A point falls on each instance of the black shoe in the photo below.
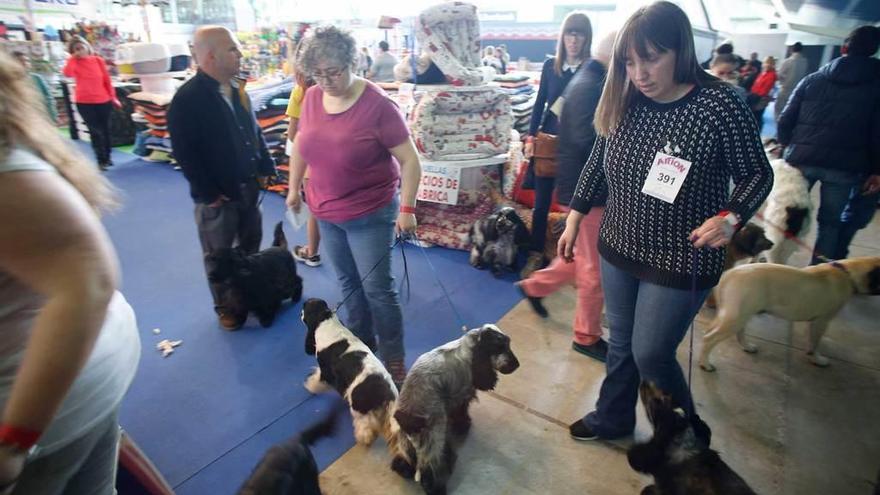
(597, 350)
(581, 432)
(535, 302)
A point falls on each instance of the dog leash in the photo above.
(421, 246)
(361, 285)
(791, 236)
(695, 262)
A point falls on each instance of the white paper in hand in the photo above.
(298, 218)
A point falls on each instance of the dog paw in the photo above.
(819, 360)
(709, 367)
(314, 384)
(750, 348)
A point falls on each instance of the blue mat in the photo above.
(206, 414)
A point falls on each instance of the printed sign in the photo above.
(666, 176)
(439, 184)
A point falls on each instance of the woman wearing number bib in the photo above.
(670, 138)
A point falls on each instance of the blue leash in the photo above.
(461, 322)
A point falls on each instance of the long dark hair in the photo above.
(661, 26)
(574, 21)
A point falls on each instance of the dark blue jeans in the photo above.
(354, 248)
(837, 186)
(647, 323)
(857, 215)
(543, 199)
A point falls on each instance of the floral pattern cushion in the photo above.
(462, 123)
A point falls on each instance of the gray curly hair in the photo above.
(326, 43)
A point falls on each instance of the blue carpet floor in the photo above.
(206, 414)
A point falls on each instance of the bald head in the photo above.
(217, 52)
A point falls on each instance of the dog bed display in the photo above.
(450, 34)
(462, 123)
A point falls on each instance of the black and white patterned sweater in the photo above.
(714, 130)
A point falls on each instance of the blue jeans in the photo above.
(85, 466)
(354, 247)
(543, 201)
(837, 185)
(857, 215)
(647, 323)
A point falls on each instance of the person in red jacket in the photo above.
(94, 96)
(760, 94)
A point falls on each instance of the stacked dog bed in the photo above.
(461, 121)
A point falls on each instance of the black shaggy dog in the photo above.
(679, 462)
(496, 240)
(289, 468)
(258, 282)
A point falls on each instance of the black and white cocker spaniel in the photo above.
(433, 405)
(496, 240)
(347, 365)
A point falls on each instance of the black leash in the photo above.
(361, 285)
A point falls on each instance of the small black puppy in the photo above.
(496, 240)
(679, 462)
(258, 282)
(289, 468)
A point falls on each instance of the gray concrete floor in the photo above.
(785, 425)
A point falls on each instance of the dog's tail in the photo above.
(323, 428)
(279, 240)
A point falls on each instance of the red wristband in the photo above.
(408, 209)
(731, 217)
(17, 437)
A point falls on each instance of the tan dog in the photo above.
(814, 294)
(747, 243)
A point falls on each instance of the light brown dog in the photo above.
(814, 294)
(748, 242)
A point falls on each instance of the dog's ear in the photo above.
(645, 457)
(486, 345)
(411, 424)
(311, 347)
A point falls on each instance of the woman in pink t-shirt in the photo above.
(95, 96)
(363, 176)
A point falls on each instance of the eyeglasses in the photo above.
(328, 74)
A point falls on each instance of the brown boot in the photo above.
(231, 322)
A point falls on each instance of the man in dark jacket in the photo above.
(831, 130)
(222, 152)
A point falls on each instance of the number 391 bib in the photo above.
(666, 176)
